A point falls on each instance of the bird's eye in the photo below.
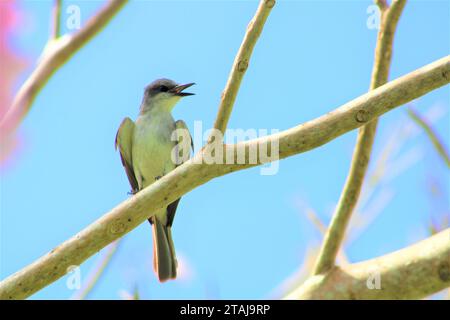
(163, 89)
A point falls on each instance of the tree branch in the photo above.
(96, 272)
(438, 145)
(382, 4)
(414, 272)
(57, 52)
(366, 135)
(241, 63)
(193, 173)
(56, 20)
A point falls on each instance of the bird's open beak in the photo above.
(178, 90)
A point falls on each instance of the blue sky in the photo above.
(244, 234)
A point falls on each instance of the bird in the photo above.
(146, 147)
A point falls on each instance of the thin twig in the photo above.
(432, 135)
(54, 56)
(56, 20)
(364, 143)
(322, 228)
(241, 63)
(97, 271)
(315, 219)
(135, 210)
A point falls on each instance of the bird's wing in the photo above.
(124, 142)
(172, 208)
(180, 124)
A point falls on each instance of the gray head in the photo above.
(163, 94)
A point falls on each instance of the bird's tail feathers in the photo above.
(164, 260)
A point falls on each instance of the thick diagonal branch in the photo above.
(132, 212)
(363, 149)
(414, 272)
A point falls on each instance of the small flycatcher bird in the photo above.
(146, 147)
